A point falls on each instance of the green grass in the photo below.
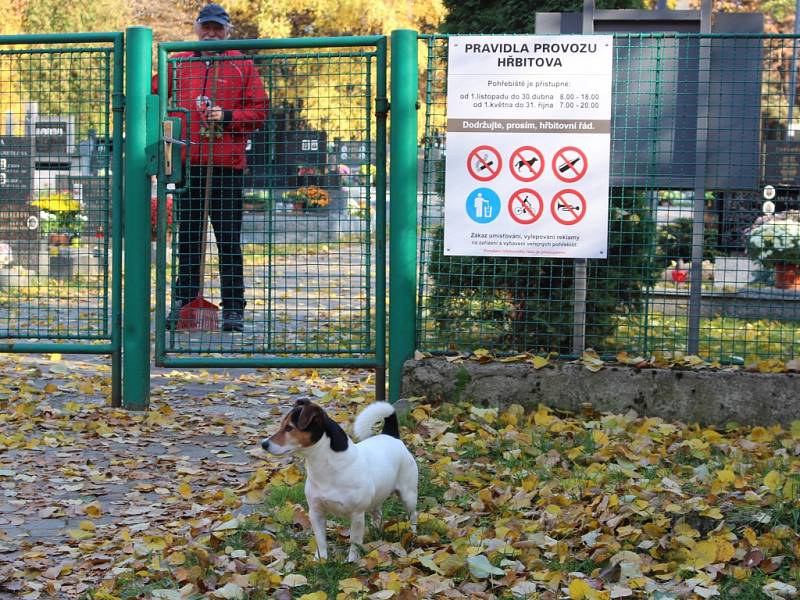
(281, 494)
(723, 338)
(766, 518)
(727, 339)
(751, 588)
(327, 575)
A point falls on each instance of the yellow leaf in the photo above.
(93, 510)
(725, 551)
(574, 453)
(86, 526)
(352, 586)
(185, 490)
(760, 434)
(314, 596)
(703, 554)
(294, 580)
(592, 362)
(773, 481)
(579, 589)
(599, 437)
(750, 536)
(154, 542)
(790, 490)
(419, 414)
(713, 513)
(515, 358)
(741, 573)
(543, 416)
(176, 559)
(538, 362)
(55, 357)
(726, 476)
(79, 534)
(50, 388)
(102, 595)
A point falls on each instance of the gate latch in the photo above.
(173, 150)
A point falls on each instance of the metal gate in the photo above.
(313, 242)
(61, 104)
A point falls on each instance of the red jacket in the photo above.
(238, 90)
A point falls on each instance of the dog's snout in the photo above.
(265, 445)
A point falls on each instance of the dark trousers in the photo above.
(225, 212)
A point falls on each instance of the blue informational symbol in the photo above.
(483, 205)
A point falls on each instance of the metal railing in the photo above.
(313, 227)
(699, 128)
(60, 194)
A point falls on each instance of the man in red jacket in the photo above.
(225, 99)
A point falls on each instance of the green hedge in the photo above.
(527, 303)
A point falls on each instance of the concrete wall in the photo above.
(706, 397)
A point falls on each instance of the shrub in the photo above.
(675, 241)
(529, 301)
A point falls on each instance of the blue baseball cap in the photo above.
(213, 13)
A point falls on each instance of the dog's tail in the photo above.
(362, 428)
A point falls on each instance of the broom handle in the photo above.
(207, 195)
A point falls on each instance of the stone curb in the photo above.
(704, 396)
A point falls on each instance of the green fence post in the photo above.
(402, 205)
(118, 108)
(136, 315)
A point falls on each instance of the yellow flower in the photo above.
(58, 203)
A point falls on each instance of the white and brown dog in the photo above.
(347, 479)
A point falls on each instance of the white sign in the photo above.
(528, 143)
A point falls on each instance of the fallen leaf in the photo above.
(480, 567)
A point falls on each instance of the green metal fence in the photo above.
(308, 287)
(60, 190)
(701, 124)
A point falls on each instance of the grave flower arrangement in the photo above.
(308, 197)
(60, 213)
(774, 239)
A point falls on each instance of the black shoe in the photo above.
(232, 320)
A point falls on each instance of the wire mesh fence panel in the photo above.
(57, 187)
(697, 262)
(290, 244)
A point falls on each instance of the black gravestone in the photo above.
(19, 220)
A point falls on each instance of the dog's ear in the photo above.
(308, 414)
(336, 433)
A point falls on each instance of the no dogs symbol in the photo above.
(527, 163)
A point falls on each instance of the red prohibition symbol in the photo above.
(525, 206)
(527, 163)
(570, 164)
(484, 163)
(568, 207)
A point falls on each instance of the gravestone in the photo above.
(19, 220)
